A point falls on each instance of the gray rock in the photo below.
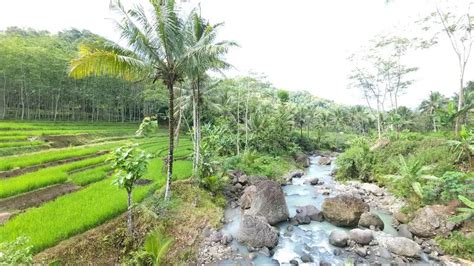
(404, 231)
(265, 198)
(252, 255)
(256, 232)
(226, 239)
(302, 219)
(265, 251)
(400, 217)
(290, 228)
(344, 210)
(216, 236)
(360, 236)
(294, 262)
(368, 219)
(337, 252)
(324, 161)
(338, 238)
(311, 211)
(302, 159)
(431, 221)
(243, 179)
(361, 251)
(314, 181)
(306, 258)
(324, 263)
(400, 245)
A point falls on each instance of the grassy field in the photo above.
(98, 200)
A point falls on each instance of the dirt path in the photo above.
(36, 198)
(17, 172)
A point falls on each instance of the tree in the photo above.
(432, 105)
(457, 26)
(202, 33)
(130, 164)
(157, 49)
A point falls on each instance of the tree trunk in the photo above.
(195, 125)
(171, 139)
(198, 127)
(129, 213)
(460, 103)
(247, 119)
(238, 123)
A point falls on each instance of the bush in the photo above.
(16, 252)
(457, 244)
(356, 162)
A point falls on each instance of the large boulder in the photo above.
(361, 236)
(399, 245)
(324, 160)
(309, 211)
(302, 159)
(338, 238)
(265, 198)
(368, 219)
(293, 174)
(256, 232)
(344, 210)
(431, 221)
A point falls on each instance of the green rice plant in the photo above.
(42, 178)
(89, 176)
(11, 162)
(20, 144)
(77, 212)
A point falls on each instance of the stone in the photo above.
(324, 263)
(400, 246)
(243, 179)
(401, 217)
(314, 181)
(293, 174)
(226, 239)
(338, 238)
(368, 219)
(324, 161)
(290, 228)
(404, 231)
(294, 262)
(344, 210)
(265, 198)
(252, 255)
(265, 251)
(256, 232)
(310, 212)
(430, 221)
(302, 219)
(216, 236)
(306, 259)
(361, 251)
(238, 186)
(302, 159)
(360, 236)
(337, 252)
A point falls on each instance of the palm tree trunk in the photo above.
(129, 212)
(238, 122)
(171, 139)
(195, 130)
(198, 127)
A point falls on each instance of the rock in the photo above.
(302, 159)
(293, 174)
(238, 186)
(401, 217)
(226, 239)
(338, 238)
(367, 219)
(324, 161)
(372, 188)
(243, 179)
(290, 228)
(360, 236)
(431, 221)
(233, 205)
(400, 245)
(252, 255)
(383, 253)
(302, 219)
(324, 263)
(337, 252)
(344, 210)
(404, 232)
(294, 262)
(265, 251)
(361, 251)
(306, 259)
(312, 181)
(311, 212)
(216, 236)
(256, 232)
(265, 198)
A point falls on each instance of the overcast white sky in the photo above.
(298, 44)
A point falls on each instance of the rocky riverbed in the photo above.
(315, 220)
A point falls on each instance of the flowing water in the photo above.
(311, 239)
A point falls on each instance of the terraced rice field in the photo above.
(52, 193)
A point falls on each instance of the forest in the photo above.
(145, 152)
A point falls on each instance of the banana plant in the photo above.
(464, 213)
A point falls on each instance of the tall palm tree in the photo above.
(156, 49)
(201, 33)
(434, 102)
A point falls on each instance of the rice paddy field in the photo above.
(56, 182)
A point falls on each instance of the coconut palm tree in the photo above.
(434, 102)
(202, 34)
(156, 49)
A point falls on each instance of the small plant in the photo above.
(16, 252)
(148, 127)
(457, 244)
(130, 164)
(464, 147)
(156, 245)
(464, 213)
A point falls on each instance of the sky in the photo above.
(297, 45)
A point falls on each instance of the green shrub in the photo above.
(356, 162)
(17, 252)
(457, 244)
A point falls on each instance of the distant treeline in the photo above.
(34, 82)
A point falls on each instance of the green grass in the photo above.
(20, 144)
(45, 177)
(89, 176)
(77, 212)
